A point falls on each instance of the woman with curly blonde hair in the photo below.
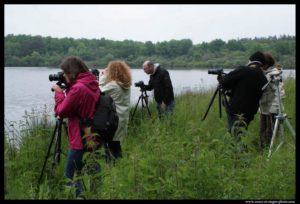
(116, 81)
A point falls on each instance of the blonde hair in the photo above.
(119, 71)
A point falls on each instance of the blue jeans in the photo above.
(168, 109)
(74, 163)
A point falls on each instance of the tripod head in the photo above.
(219, 90)
(143, 98)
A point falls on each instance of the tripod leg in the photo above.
(220, 105)
(66, 128)
(145, 97)
(143, 105)
(210, 103)
(290, 127)
(281, 143)
(273, 136)
(48, 151)
(148, 109)
(135, 108)
(57, 150)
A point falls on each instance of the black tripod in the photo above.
(57, 150)
(280, 119)
(144, 100)
(222, 98)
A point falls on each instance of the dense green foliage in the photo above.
(26, 50)
(178, 158)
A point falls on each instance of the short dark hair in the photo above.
(257, 57)
(269, 59)
(73, 65)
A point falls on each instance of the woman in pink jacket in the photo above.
(78, 100)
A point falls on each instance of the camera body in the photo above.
(141, 85)
(95, 72)
(217, 71)
(57, 77)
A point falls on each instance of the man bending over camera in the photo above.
(245, 84)
(163, 90)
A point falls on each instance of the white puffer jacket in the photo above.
(121, 97)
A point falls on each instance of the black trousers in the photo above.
(266, 129)
(115, 149)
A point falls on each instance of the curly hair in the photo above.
(119, 71)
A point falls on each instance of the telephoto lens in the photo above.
(57, 77)
(217, 71)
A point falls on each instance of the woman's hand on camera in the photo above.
(57, 88)
(103, 72)
(162, 105)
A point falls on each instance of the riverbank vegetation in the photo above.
(27, 50)
(178, 158)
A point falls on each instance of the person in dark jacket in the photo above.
(245, 84)
(78, 100)
(161, 82)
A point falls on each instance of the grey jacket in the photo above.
(269, 101)
(121, 97)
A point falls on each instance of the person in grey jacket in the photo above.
(269, 102)
(116, 81)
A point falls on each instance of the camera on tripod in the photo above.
(143, 98)
(217, 71)
(57, 77)
(141, 85)
(220, 91)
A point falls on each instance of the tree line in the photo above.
(27, 50)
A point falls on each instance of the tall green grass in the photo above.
(181, 157)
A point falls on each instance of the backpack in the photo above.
(101, 129)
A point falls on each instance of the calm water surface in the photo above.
(28, 88)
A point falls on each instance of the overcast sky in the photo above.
(200, 23)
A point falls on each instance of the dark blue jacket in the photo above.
(246, 85)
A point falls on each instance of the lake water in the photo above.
(29, 87)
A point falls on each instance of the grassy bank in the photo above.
(180, 158)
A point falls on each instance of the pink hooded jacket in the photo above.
(80, 100)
